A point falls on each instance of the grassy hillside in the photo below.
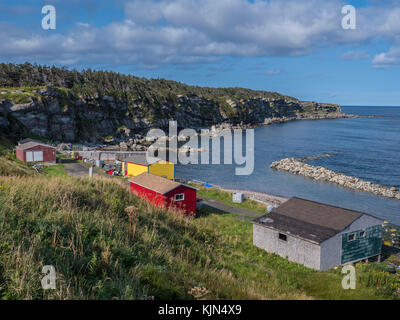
(100, 251)
(9, 165)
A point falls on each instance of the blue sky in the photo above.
(294, 47)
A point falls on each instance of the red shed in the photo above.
(164, 193)
(36, 152)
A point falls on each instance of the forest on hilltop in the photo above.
(90, 81)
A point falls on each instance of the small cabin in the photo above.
(318, 235)
(35, 151)
(164, 193)
(138, 164)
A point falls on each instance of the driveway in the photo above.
(78, 170)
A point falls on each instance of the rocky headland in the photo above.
(94, 108)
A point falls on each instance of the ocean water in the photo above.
(368, 148)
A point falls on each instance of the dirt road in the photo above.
(76, 170)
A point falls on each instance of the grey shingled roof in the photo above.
(309, 220)
(32, 144)
(28, 140)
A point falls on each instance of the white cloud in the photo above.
(154, 33)
(389, 59)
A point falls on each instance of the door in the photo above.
(29, 156)
(38, 156)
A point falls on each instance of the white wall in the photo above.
(296, 249)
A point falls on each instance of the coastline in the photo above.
(327, 116)
(142, 145)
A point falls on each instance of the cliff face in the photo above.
(60, 115)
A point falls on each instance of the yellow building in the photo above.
(133, 166)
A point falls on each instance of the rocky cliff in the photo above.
(62, 116)
(96, 107)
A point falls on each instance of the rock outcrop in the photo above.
(298, 166)
(63, 116)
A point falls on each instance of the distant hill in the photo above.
(96, 106)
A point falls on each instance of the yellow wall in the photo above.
(135, 169)
(163, 169)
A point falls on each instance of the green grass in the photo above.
(80, 226)
(9, 165)
(55, 170)
(226, 197)
(64, 156)
(18, 97)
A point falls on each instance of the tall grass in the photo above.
(84, 229)
(81, 228)
(106, 244)
(9, 165)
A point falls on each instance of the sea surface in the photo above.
(368, 148)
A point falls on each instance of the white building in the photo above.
(317, 235)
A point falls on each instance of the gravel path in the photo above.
(75, 169)
(78, 170)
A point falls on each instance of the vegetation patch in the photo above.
(226, 197)
(54, 170)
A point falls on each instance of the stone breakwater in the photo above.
(297, 166)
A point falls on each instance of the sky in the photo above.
(294, 47)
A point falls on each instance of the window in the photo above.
(282, 237)
(351, 237)
(362, 234)
(180, 197)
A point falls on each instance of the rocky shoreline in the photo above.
(141, 144)
(327, 116)
(299, 167)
